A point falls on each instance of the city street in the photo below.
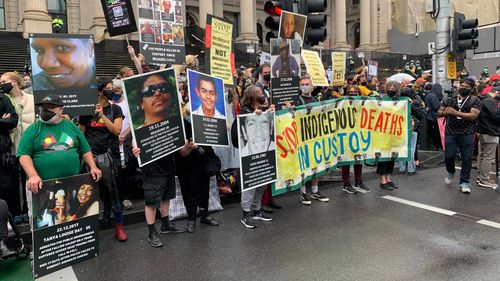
(438, 233)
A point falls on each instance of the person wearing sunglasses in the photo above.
(156, 99)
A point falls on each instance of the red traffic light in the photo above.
(273, 8)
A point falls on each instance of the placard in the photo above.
(119, 16)
(315, 68)
(219, 49)
(257, 149)
(155, 114)
(161, 31)
(208, 109)
(292, 26)
(65, 216)
(338, 68)
(64, 64)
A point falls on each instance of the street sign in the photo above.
(451, 64)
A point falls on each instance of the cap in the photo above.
(283, 45)
(51, 99)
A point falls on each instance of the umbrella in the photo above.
(400, 77)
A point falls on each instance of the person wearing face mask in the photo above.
(24, 104)
(52, 146)
(264, 82)
(27, 84)
(488, 129)
(362, 85)
(101, 131)
(306, 97)
(461, 113)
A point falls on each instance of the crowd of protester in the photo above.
(104, 146)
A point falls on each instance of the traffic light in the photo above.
(464, 34)
(316, 21)
(273, 9)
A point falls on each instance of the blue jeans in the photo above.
(411, 161)
(464, 144)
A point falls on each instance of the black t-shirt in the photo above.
(192, 164)
(458, 126)
(97, 134)
(160, 167)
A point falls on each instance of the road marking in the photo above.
(489, 223)
(420, 205)
(65, 274)
(443, 211)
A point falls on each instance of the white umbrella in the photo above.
(400, 77)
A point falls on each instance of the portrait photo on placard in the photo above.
(206, 95)
(285, 58)
(292, 26)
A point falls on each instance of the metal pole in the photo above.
(443, 42)
(434, 70)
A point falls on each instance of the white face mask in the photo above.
(305, 89)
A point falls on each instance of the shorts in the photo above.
(158, 189)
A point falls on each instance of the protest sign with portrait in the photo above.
(257, 149)
(292, 26)
(65, 223)
(155, 114)
(208, 109)
(161, 31)
(64, 64)
(119, 16)
(285, 70)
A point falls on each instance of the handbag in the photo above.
(213, 164)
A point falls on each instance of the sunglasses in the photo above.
(151, 90)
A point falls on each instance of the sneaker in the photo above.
(171, 228)
(266, 208)
(261, 216)
(448, 179)
(349, 189)
(362, 186)
(154, 240)
(318, 196)
(305, 199)
(488, 184)
(465, 188)
(411, 173)
(393, 185)
(127, 205)
(247, 220)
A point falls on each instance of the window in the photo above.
(2, 14)
(57, 9)
(355, 2)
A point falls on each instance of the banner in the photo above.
(315, 68)
(65, 223)
(292, 26)
(339, 132)
(161, 31)
(338, 71)
(208, 109)
(257, 149)
(64, 64)
(220, 53)
(285, 70)
(119, 16)
(155, 114)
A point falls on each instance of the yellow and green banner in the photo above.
(314, 138)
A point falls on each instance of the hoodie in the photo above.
(432, 101)
(488, 121)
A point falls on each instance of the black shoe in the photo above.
(5, 251)
(260, 216)
(209, 221)
(154, 240)
(349, 189)
(266, 208)
(362, 186)
(393, 185)
(273, 204)
(247, 220)
(412, 173)
(171, 228)
(190, 226)
(386, 186)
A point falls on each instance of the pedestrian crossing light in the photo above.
(316, 21)
(465, 34)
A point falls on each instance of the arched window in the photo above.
(58, 9)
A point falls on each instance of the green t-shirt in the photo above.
(55, 149)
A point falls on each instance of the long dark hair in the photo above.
(80, 211)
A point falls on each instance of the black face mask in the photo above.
(267, 77)
(363, 83)
(6, 87)
(46, 115)
(261, 99)
(497, 98)
(108, 94)
(464, 92)
(391, 94)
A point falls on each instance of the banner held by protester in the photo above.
(119, 16)
(257, 149)
(155, 113)
(340, 131)
(220, 53)
(65, 223)
(208, 109)
(161, 31)
(315, 68)
(74, 79)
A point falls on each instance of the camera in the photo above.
(449, 98)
